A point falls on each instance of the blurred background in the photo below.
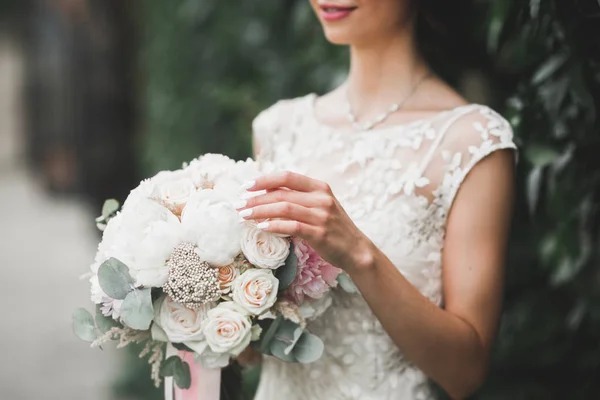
(96, 94)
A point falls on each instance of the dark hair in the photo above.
(445, 37)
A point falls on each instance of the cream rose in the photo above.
(179, 323)
(264, 249)
(227, 274)
(228, 329)
(256, 290)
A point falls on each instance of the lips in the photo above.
(330, 12)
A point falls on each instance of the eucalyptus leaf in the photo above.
(283, 338)
(182, 347)
(287, 272)
(114, 279)
(346, 283)
(296, 336)
(269, 328)
(137, 311)
(182, 375)
(83, 325)
(110, 207)
(104, 323)
(286, 330)
(309, 348)
(277, 348)
(169, 365)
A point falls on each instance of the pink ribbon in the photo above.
(206, 382)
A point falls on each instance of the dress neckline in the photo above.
(312, 98)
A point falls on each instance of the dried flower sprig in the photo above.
(290, 311)
(124, 335)
(127, 336)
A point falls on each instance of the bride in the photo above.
(394, 178)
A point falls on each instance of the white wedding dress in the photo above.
(397, 184)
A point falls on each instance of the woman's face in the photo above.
(356, 22)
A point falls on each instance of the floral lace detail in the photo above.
(398, 185)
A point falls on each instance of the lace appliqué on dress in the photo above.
(398, 185)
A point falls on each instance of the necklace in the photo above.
(367, 126)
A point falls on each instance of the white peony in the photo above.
(230, 184)
(255, 290)
(152, 233)
(228, 329)
(96, 292)
(179, 323)
(147, 188)
(264, 249)
(209, 168)
(142, 237)
(110, 241)
(174, 193)
(213, 225)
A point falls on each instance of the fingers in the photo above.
(284, 210)
(293, 228)
(283, 195)
(288, 180)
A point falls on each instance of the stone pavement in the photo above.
(45, 245)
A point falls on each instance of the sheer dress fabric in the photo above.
(397, 183)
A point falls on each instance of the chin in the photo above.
(338, 36)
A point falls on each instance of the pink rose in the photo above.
(314, 277)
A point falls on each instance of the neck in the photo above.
(383, 74)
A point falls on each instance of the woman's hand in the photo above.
(300, 206)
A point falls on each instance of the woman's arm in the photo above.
(451, 345)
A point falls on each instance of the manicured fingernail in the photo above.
(240, 204)
(245, 213)
(263, 225)
(249, 184)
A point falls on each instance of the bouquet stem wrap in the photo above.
(206, 382)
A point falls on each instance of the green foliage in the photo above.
(103, 323)
(210, 68)
(291, 343)
(114, 279)
(180, 371)
(346, 283)
(110, 207)
(269, 328)
(287, 341)
(287, 272)
(83, 325)
(137, 311)
(109, 210)
(544, 56)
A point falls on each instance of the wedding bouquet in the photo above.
(177, 265)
